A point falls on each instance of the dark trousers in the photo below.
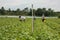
(43, 20)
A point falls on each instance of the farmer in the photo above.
(43, 18)
(22, 18)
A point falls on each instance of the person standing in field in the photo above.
(43, 18)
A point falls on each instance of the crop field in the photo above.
(13, 29)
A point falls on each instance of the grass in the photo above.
(13, 29)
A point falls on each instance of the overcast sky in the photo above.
(14, 4)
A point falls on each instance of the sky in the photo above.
(14, 4)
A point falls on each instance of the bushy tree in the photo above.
(26, 11)
(39, 12)
(2, 11)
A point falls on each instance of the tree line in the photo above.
(28, 12)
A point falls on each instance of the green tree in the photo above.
(30, 12)
(17, 12)
(2, 11)
(25, 11)
(39, 12)
(44, 11)
(9, 11)
(51, 12)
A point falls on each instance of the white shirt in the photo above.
(23, 17)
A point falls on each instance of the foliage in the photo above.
(13, 29)
(58, 16)
(26, 11)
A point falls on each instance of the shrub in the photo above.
(58, 16)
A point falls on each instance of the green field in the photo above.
(13, 29)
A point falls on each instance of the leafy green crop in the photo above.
(13, 29)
